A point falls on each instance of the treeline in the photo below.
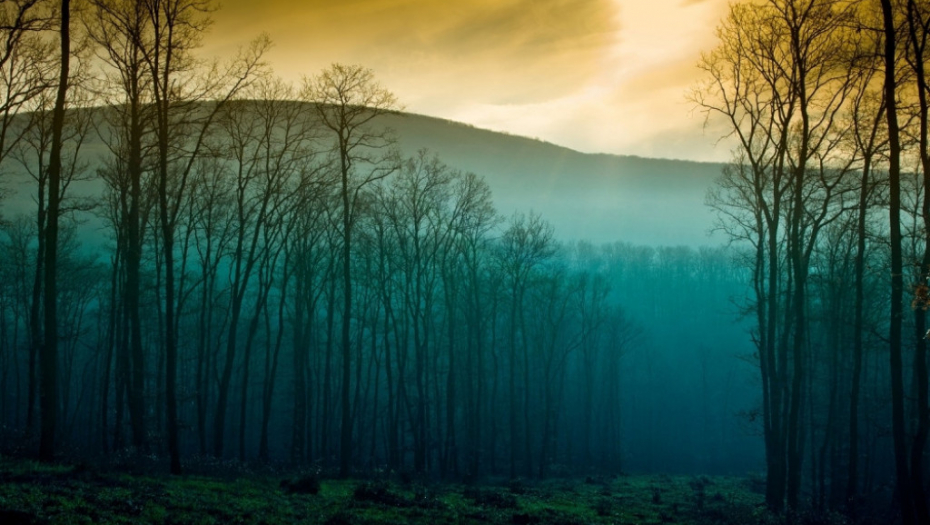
(829, 194)
(243, 269)
(278, 282)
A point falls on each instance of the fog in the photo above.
(671, 385)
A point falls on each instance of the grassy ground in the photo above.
(36, 493)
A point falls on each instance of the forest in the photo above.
(206, 270)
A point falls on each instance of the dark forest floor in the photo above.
(33, 493)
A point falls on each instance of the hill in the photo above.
(596, 197)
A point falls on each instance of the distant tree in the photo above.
(270, 153)
(473, 245)
(469, 219)
(415, 209)
(621, 335)
(308, 256)
(524, 246)
(557, 333)
(212, 222)
(28, 69)
(593, 313)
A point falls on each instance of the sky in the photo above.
(599, 76)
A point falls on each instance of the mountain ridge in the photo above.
(446, 121)
(597, 197)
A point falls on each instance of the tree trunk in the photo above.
(852, 481)
(903, 488)
(345, 439)
(48, 361)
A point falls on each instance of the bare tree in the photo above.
(48, 362)
(32, 152)
(525, 245)
(28, 64)
(890, 59)
(120, 30)
(269, 149)
(867, 115)
(181, 129)
(473, 243)
(780, 79)
(348, 101)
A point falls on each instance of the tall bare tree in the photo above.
(28, 68)
(890, 19)
(120, 29)
(181, 130)
(525, 245)
(49, 356)
(780, 79)
(348, 101)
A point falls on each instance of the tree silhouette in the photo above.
(348, 101)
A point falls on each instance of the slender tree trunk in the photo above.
(512, 385)
(301, 321)
(327, 405)
(112, 329)
(527, 433)
(246, 365)
(345, 439)
(919, 443)
(35, 307)
(219, 418)
(49, 359)
(776, 472)
(171, 350)
(133, 289)
(852, 481)
(903, 488)
(271, 366)
(204, 332)
(167, 226)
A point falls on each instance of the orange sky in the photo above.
(593, 75)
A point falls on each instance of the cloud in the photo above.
(498, 51)
(594, 75)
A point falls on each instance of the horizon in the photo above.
(404, 112)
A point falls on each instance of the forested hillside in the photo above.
(468, 314)
(595, 197)
(204, 265)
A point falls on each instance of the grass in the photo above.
(34, 493)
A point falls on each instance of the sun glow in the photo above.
(593, 75)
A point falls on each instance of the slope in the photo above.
(596, 197)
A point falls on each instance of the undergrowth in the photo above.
(35, 493)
